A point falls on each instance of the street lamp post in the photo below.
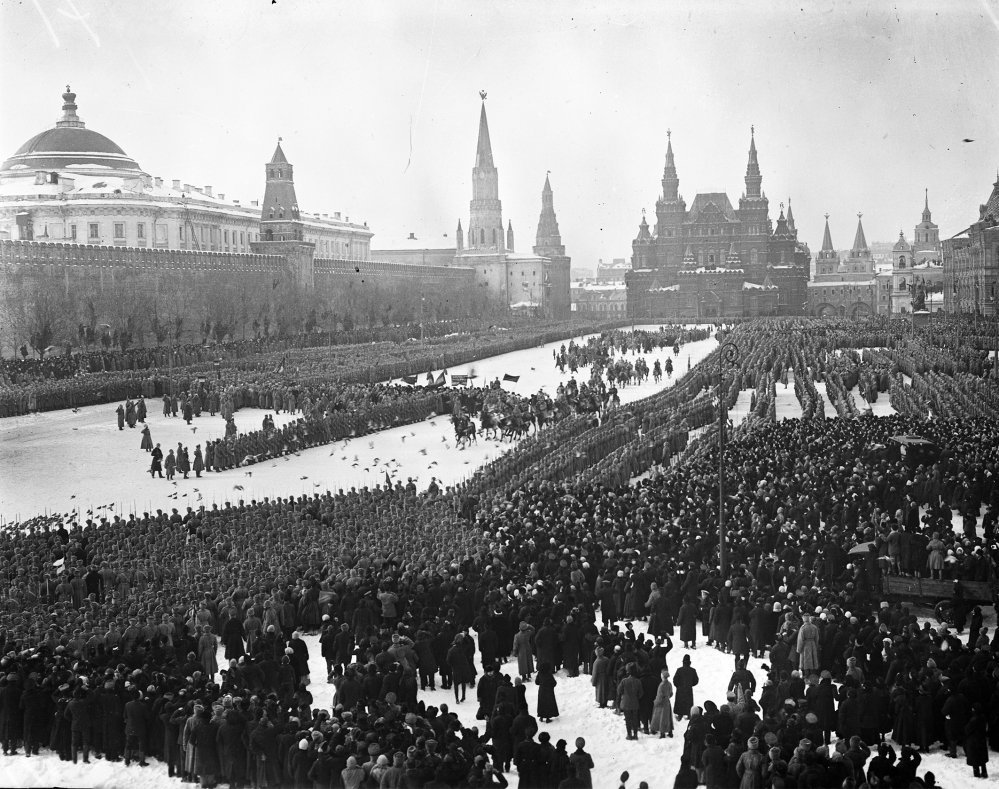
(727, 353)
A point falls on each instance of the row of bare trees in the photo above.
(44, 312)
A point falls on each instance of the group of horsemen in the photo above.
(503, 415)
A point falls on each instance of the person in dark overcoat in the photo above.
(232, 738)
(955, 712)
(138, 719)
(461, 669)
(684, 681)
(203, 735)
(36, 706)
(233, 635)
(147, 440)
(547, 704)
(976, 745)
(687, 622)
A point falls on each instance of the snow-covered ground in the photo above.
(787, 403)
(43, 462)
(737, 414)
(648, 759)
(63, 461)
(828, 409)
(880, 408)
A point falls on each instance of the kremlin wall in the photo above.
(88, 240)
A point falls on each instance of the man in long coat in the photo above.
(808, 647)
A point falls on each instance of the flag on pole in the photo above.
(441, 380)
(410, 379)
(388, 480)
(512, 378)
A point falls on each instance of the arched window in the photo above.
(901, 261)
(902, 285)
(482, 236)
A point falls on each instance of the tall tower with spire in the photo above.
(548, 244)
(670, 212)
(279, 218)
(485, 222)
(754, 208)
(753, 178)
(926, 241)
(281, 229)
(548, 241)
(827, 261)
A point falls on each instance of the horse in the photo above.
(513, 427)
(489, 426)
(465, 433)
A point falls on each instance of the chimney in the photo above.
(336, 215)
(176, 184)
(235, 202)
(158, 181)
(221, 196)
(255, 203)
(412, 237)
(188, 188)
(208, 191)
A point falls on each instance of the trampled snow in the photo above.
(65, 461)
(647, 759)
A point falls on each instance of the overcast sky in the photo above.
(858, 106)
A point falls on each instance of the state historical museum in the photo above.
(716, 261)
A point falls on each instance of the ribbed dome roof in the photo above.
(70, 143)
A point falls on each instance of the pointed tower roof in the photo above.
(782, 228)
(279, 157)
(548, 240)
(790, 218)
(643, 229)
(484, 150)
(859, 240)
(827, 244)
(753, 178)
(671, 181)
(927, 216)
(901, 245)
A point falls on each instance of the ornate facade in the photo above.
(72, 184)
(916, 279)
(714, 260)
(971, 262)
(844, 287)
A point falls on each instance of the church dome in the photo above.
(70, 145)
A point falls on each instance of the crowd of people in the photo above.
(65, 362)
(109, 629)
(31, 385)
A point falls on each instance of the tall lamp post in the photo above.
(727, 353)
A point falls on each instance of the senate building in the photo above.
(713, 260)
(72, 184)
